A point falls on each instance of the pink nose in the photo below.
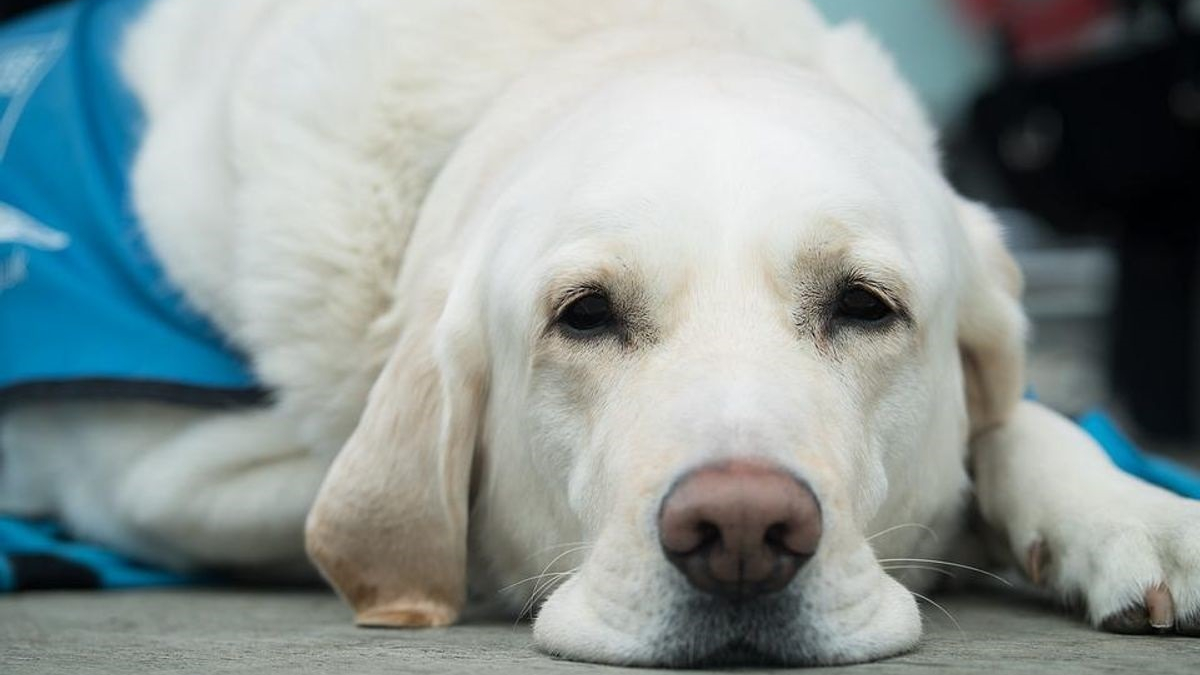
(740, 528)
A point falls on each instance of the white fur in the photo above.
(331, 179)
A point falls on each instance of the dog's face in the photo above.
(710, 338)
(684, 277)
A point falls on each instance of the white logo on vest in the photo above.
(18, 228)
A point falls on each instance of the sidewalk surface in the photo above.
(212, 632)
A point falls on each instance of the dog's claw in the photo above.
(1036, 560)
(1155, 614)
(1160, 608)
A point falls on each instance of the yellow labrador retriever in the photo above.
(663, 304)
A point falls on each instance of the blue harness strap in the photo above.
(85, 309)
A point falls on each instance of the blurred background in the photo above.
(1079, 120)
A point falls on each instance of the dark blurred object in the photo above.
(1041, 30)
(1108, 141)
(11, 8)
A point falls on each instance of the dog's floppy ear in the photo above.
(991, 324)
(389, 526)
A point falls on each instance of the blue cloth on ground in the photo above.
(36, 555)
(85, 310)
(1157, 470)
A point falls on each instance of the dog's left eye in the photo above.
(588, 315)
(858, 303)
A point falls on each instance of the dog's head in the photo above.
(683, 350)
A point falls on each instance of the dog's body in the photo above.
(397, 195)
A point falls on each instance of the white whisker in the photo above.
(557, 546)
(928, 568)
(1001, 579)
(944, 611)
(543, 590)
(536, 577)
(546, 580)
(546, 568)
(549, 578)
(904, 525)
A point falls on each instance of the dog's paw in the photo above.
(1135, 566)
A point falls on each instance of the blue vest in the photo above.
(85, 310)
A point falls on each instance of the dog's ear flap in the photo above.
(991, 323)
(389, 525)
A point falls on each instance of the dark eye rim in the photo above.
(890, 313)
(611, 325)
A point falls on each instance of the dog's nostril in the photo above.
(709, 535)
(775, 537)
(740, 529)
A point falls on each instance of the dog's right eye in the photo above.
(863, 305)
(588, 315)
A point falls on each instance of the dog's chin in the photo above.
(697, 631)
(736, 654)
(707, 632)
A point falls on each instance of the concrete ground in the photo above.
(259, 632)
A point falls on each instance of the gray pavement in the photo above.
(260, 632)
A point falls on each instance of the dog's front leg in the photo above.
(1129, 551)
(230, 490)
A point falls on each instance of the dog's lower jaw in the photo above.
(885, 624)
(570, 627)
(872, 618)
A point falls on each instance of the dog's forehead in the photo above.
(734, 152)
(691, 171)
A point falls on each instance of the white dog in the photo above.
(664, 300)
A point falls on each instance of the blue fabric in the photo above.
(81, 296)
(36, 555)
(1157, 470)
(1130, 459)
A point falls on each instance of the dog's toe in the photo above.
(1130, 621)
(1037, 560)
(1156, 614)
(1136, 572)
(1160, 608)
